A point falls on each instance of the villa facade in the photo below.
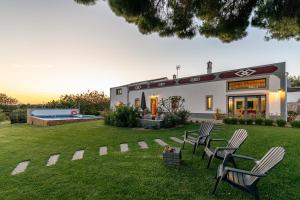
(245, 92)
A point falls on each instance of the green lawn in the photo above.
(137, 174)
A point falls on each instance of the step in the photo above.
(21, 167)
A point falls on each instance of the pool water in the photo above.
(70, 117)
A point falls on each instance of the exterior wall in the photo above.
(116, 99)
(275, 94)
(194, 95)
(195, 89)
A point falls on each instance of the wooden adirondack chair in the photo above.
(232, 146)
(247, 180)
(198, 137)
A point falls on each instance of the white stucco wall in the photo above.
(274, 96)
(115, 99)
(293, 96)
(194, 95)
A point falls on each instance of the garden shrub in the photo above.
(226, 120)
(258, 121)
(291, 116)
(249, 121)
(171, 120)
(123, 116)
(295, 124)
(269, 122)
(183, 115)
(230, 120)
(2, 116)
(242, 121)
(18, 116)
(280, 122)
(234, 120)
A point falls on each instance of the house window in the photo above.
(248, 84)
(137, 103)
(119, 91)
(209, 102)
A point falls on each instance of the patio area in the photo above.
(92, 161)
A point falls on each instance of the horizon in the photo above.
(67, 48)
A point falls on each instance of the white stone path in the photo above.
(103, 151)
(21, 167)
(143, 145)
(160, 142)
(52, 160)
(176, 140)
(124, 147)
(78, 155)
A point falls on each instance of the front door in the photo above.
(153, 103)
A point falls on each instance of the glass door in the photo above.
(247, 106)
(239, 107)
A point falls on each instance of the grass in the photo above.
(137, 174)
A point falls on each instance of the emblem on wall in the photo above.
(245, 72)
(195, 79)
(138, 87)
(161, 84)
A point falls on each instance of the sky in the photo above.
(50, 48)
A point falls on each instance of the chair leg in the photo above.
(218, 181)
(203, 155)
(209, 161)
(183, 144)
(194, 151)
(255, 193)
(233, 162)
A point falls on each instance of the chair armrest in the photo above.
(192, 131)
(244, 172)
(243, 157)
(209, 140)
(217, 139)
(226, 148)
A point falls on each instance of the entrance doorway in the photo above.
(153, 105)
(247, 106)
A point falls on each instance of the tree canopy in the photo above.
(6, 100)
(90, 102)
(294, 80)
(226, 20)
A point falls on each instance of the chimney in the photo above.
(209, 67)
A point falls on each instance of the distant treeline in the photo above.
(89, 103)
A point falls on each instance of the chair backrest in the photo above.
(206, 128)
(237, 139)
(269, 161)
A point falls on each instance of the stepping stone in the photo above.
(21, 167)
(52, 160)
(160, 142)
(78, 155)
(176, 140)
(103, 151)
(143, 145)
(124, 147)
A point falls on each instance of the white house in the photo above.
(259, 90)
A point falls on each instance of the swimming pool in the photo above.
(67, 117)
(61, 119)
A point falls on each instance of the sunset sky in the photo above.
(49, 48)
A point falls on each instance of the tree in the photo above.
(90, 102)
(6, 100)
(294, 80)
(225, 20)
